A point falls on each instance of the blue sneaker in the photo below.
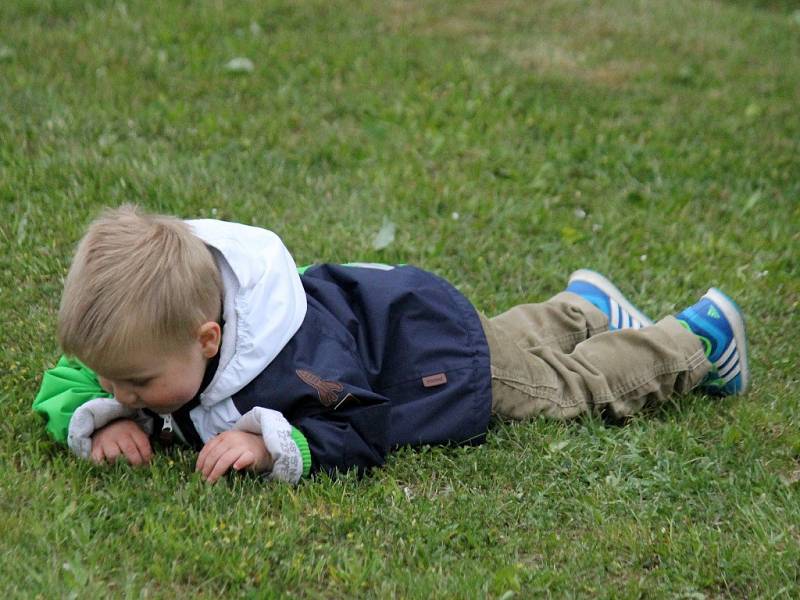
(719, 324)
(598, 290)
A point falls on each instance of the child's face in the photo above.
(162, 382)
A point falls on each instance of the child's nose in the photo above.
(125, 395)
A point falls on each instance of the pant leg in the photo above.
(560, 323)
(616, 372)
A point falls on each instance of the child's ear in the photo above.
(210, 337)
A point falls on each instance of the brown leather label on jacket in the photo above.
(434, 380)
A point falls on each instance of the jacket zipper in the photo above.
(166, 436)
(170, 430)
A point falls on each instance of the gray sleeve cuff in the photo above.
(276, 432)
(97, 413)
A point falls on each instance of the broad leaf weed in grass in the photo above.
(507, 143)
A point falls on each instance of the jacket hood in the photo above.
(264, 303)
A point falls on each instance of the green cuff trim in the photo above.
(302, 445)
(64, 388)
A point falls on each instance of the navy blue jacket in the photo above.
(384, 358)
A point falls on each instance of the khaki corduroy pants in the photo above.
(558, 359)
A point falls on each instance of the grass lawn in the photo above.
(509, 142)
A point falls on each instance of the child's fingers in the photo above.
(98, 456)
(222, 465)
(247, 459)
(206, 452)
(147, 452)
(143, 446)
(130, 451)
(111, 452)
(211, 452)
(209, 456)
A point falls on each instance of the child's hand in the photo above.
(122, 437)
(237, 449)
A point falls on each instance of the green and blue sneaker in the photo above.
(598, 290)
(719, 324)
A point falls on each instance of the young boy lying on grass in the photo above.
(206, 330)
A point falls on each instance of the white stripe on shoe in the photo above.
(730, 350)
(619, 305)
(724, 366)
(736, 321)
(723, 371)
(733, 373)
(614, 310)
(621, 318)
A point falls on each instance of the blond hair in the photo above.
(139, 282)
